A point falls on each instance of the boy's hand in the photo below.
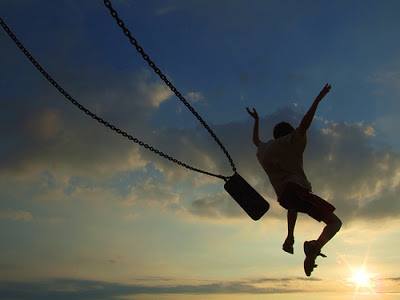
(325, 90)
(253, 113)
(308, 117)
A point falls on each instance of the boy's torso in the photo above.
(282, 160)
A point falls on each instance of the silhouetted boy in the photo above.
(282, 160)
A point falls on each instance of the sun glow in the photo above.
(361, 278)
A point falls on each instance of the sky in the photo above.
(86, 214)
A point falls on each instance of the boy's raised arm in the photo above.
(309, 116)
(254, 114)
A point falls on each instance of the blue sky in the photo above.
(81, 207)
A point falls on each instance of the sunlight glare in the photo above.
(361, 278)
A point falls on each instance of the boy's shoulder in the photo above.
(295, 138)
(263, 145)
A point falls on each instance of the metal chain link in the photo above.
(93, 115)
(164, 78)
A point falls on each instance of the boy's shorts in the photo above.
(302, 200)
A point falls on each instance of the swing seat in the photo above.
(246, 196)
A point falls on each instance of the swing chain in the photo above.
(164, 78)
(93, 115)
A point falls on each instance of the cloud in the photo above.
(45, 136)
(344, 164)
(392, 278)
(343, 161)
(194, 96)
(16, 215)
(91, 289)
(348, 169)
(152, 192)
(153, 93)
(283, 279)
(215, 206)
(42, 131)
(165, 10)
(187, 145)
(45, 125)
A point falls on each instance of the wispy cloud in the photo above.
(360, 177)
(16, 215)
(165, 10)
(216, 206)
(91, 289)
(46, 136)
(195, 96)
(345, 165)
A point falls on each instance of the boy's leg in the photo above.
(333, 225)
(313, 248)
(320, 210)
(291, 221)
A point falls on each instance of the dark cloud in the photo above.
(42, 132)
(91, 289)
(357, 176)
(48, 135)
(8, 266)
(392, 278)
(199, 149)
(216, 206)
(283, 279)
(16, 215)
(343, 164)
(342, 160)
(40, 129)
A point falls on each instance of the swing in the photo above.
(238, 188)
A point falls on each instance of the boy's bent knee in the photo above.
(335, 222)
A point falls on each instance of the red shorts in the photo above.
(302, 200)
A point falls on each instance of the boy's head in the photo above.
(281, 129)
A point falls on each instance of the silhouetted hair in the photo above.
(281, 129)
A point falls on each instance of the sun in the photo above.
(361, 278)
